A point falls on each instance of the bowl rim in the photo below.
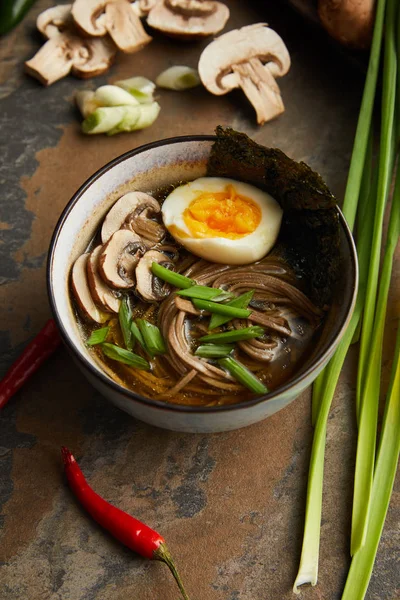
(130, 394)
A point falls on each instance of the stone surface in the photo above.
(230, 505)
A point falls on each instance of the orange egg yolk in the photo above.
(222, 214)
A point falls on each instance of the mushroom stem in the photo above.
(261, 89)
(125, 27)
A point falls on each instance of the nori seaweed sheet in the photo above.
(310, 227)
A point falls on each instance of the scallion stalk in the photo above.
(153, 340)
(202, 292)
(241, 301)
(178, 77)
(175, 279)
(243, 375)
(222, 309)
(235, 335)
(112, 95)
(139, 87)
(125, 356)
(214, 350)
(103, 119)
(125, 319)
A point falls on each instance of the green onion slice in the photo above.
(125, 318)
(241, 301)
(103, 119)
(175, 279)
(137, 335)
(125, 356)
(214, 350)
(202, 292)
(178, 77)
(139, 87)
(243, 375)
(235, 335)
(222, 309)
(152, 337)
(98, 337)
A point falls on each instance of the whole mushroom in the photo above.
(66, 51)
(117, 18)
(249, 58)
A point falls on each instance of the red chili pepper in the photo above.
(39, 349)
(128, 530)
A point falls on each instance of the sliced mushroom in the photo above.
(133, 211)
(149, 287)
(188, 19)
(115, 17)
(143, 7)
(100, 291)
(66, 51)
(81, 291)
(249, 58)
(119, 257)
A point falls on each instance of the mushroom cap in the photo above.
(126, 210)
(93, 57)
(148, 286)
(239, 46)
(351, 22)
(188, 19)
(100, 291)
(81, 291)
(119, 257)
(90, 17)
(53, 21)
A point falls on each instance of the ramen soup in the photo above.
(212, 291)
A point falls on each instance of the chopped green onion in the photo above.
(222, 309)
(125, 356)
(137, 335)
(241, 301)
(178, 78)
(85, 102)
(214, 350)
(202, 292)
(243, 375)
(98, 337)
(152, 337)
(235, 335)
(103, 119)
(125, 318)
(140, 88)
(175, 279)
(112, 95)
(137, 117)
(223, 296)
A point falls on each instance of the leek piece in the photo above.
(175, 279)
(112, 95)
(139, 87)
(235, 335)
(221, 309)
(178, 78)
(241, 301)
(308, 569)
(369, 396)
(243, 375)
(125, 356)
(85, 102)
(98, 336)
(125, 318)
(385, 472)
(103, 119)
(214, 350)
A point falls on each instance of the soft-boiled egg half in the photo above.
(223, 220)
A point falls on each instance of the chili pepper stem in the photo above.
(163, 554)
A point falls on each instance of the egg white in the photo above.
(238, 251)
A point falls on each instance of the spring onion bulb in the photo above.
(136, 117)
(85, 102)
(112, 95)
(140, 88)
(178, 78)
(103, 119)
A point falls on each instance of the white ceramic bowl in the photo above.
(148, 168)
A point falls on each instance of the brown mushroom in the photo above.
(249, 58)
(148, 286)
(351, 22)
(119, 257)
(188, 19)
(81, 291)
(100, 291)
(115, 17)
(133, 211)
(66, 51)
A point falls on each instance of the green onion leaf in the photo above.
(175, 279)
(125, 356)
(202, 292)
(239, 302)
(137, 335)
(98, 337)
(214, 350)
(152, 337)
(243, 375)
(222, 309)
(125, 318)
(235, 335)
